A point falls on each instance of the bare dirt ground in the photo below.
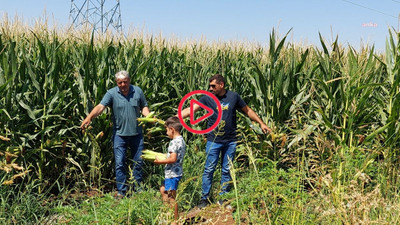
(213, 214)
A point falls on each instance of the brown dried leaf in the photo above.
(20, 174)
(6, 168)
(17, 167)
(8, 182)
(4, 138)
(11, 155)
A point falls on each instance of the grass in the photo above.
(271, 194)
(142, 208)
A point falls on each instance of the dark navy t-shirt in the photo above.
(226, 129)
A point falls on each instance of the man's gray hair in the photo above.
(121, 75)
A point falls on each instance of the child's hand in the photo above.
(160, 159)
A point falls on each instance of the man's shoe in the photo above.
(224, 203)
(203, 203)
(221, 202)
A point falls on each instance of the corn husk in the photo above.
(150, 119)
(151, 155)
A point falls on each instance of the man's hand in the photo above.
(94, 113)
(253, 116)
(265, 129)
(85, 123)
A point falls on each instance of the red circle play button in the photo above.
(209, 111)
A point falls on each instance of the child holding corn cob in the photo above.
(174, 162)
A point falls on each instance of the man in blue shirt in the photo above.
(223, 139)
(127, 102)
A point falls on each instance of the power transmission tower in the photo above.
(96, 14)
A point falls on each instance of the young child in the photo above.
(174, 162)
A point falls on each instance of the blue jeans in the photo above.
(213, 150)
(121, 143)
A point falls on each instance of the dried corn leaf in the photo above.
(17, 167)
(10, 154)
(4, 138)
(20, 174)
(8, 182)
(6, 168)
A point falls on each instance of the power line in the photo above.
(98, 14)
(372, 8)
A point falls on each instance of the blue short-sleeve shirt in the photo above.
(125, 109)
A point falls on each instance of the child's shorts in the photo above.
(171, 184)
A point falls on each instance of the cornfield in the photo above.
(334, 112)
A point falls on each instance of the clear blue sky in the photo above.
(249, 20)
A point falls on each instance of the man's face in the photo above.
(123, 85)
(216, 88)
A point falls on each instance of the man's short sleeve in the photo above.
(240, 102)
(143, 102)
(107, 100)
(204, 99)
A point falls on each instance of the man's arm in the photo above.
(253, 116)
(93, 114)
(186, 112)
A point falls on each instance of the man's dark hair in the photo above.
(174, 122)
(218, 78)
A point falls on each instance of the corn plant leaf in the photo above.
(377, 131)
(31, 114)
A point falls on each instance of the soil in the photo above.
(91, 193)
(212, 214)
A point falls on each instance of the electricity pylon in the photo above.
(96, 14)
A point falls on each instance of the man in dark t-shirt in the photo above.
(226, 131)
(223, 139)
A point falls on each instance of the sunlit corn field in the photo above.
(333, 156)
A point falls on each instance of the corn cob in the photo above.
(150, 119)
(155, 129)
(151, 155)
(150, 115)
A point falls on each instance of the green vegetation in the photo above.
(333, 156)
